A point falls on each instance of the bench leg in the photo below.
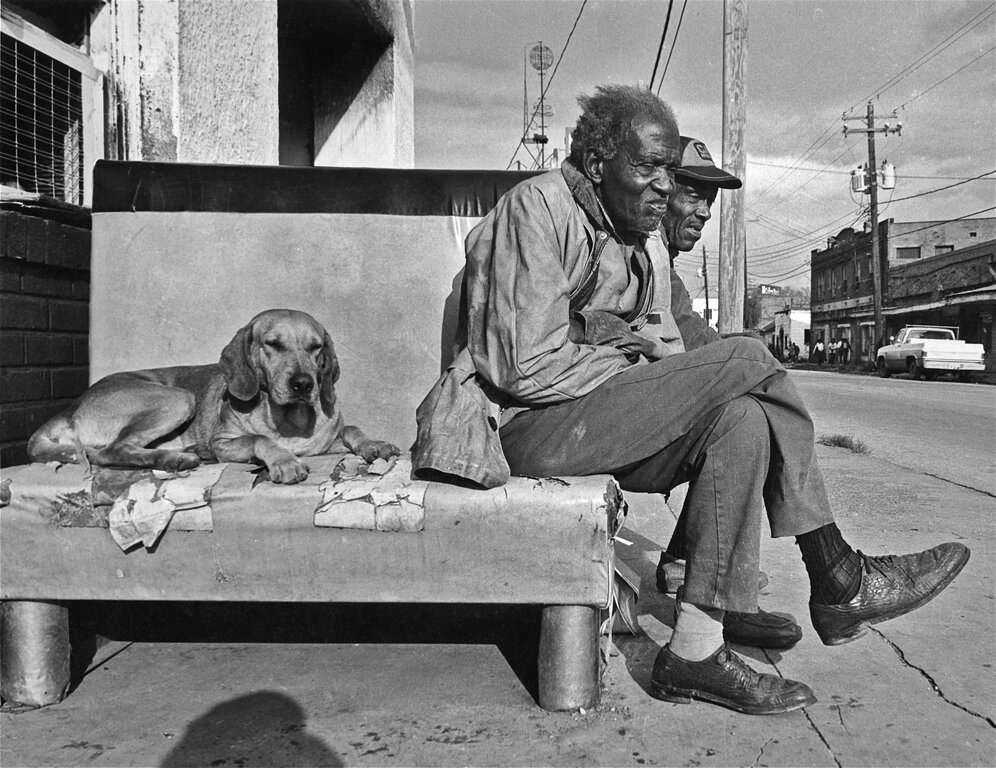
(34, 652)
(568, 657)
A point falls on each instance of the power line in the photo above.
(674, 43)
(931, 225)
(777, 255)
(941, 189)
(818, 144)
(549, 82)
(928, 90)
(963, 30)
(660, 47)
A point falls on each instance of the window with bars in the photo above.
(41, 123)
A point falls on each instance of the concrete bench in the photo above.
(184, 255)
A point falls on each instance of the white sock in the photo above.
(698, 632)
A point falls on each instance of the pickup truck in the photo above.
(924, 351)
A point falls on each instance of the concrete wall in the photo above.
(228, 79)
(44, 323)
(196, 81)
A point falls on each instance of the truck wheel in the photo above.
(964, 376)
(914, 369)
(882, 370)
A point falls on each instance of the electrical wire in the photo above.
(549, 82)
(660, 47)
(963, 30)
(928, 90)
(949, 40)
(674, 43)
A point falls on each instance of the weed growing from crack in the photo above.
(843, 441)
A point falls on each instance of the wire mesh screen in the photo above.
(41, 123)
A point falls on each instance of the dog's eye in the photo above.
(273, 344)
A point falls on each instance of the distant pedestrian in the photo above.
(844, 351)
(794, 353)
(832, 350)
(819, 352)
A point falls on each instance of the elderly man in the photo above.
(697, 181)
(574, 355)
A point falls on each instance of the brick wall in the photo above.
(44, 321)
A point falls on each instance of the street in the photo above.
(942, 428)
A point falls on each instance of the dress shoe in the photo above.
(759, 630)
(725, 679)
(890, 586)
(671, 575)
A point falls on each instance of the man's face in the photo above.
(688, 209)
(635, 184)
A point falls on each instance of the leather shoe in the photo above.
(759, 630)
(726, 679)
(890, 586)
(671, 575)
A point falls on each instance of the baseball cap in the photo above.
(697, 163)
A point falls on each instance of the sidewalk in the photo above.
(919, 690)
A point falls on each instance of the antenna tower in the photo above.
(540, 58)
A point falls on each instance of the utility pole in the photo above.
(705, 278)
(871, 177)
(732, 234)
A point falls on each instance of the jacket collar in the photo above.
(584, 195)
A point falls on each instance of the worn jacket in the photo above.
(546, 241)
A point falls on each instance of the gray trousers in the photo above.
(725, 418)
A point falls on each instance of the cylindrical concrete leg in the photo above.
(34, 652)
(568, 657)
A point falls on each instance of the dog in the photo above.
(270, 399)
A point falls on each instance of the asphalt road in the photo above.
(942, 428)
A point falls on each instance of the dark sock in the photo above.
(834, 568)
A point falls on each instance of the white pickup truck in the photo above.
(923, 351)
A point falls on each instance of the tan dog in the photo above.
(269, 399)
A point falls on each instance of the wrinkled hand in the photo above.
(371, 450)
(605, 329)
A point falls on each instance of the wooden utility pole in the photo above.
(705, 278)
(732, 232)
(871, 178)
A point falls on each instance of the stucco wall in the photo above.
(229, 74)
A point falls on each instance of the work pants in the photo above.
(723, 417)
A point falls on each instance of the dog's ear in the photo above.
(238, 366)
(328, 374)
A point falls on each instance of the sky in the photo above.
(809, 62)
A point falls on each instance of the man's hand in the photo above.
(605, 329)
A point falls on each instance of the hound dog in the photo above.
(270, 399)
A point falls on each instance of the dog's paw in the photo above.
(288, 470)
(177, 461)
(371, 450)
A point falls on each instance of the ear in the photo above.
(328, 373)
(592, 163)
(238, 366)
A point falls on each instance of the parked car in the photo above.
(924, 351)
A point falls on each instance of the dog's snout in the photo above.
(302, 383)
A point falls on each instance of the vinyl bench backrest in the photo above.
(185, 254)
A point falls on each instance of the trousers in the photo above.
(726, 419)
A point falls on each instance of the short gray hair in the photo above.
(607, 118)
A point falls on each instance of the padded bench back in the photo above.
(184, 255)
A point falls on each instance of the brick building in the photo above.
(842, 283)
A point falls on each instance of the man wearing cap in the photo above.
(577, 352)
(697, 181)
